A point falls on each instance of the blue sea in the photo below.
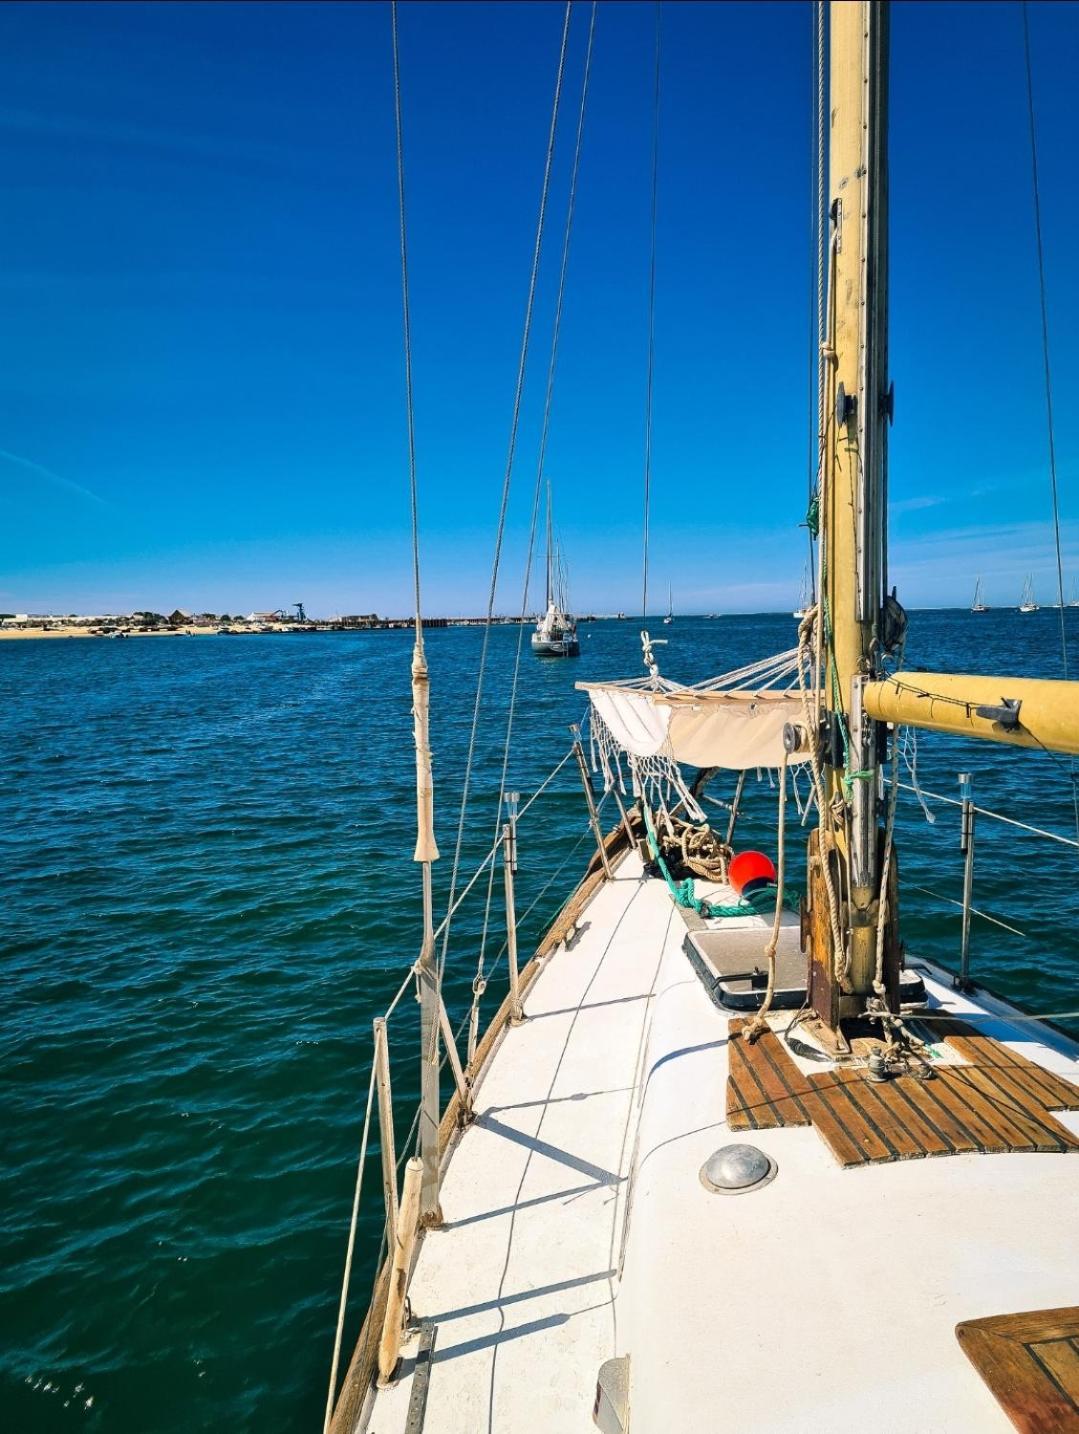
(209, 895)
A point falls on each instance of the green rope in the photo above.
(761, 902)
(813, 516)
(850, 776)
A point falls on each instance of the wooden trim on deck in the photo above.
(1030, 1363)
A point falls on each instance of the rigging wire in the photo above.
(407, 313)
(537, 494)
(508, 474)
(1048, 375)
(651, 321)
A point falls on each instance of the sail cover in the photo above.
(699, 727)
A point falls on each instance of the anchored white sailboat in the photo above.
(670, 605)
(805, 598)
(556, 631)
(977, 605)
(556, 1250)
(1026, 600)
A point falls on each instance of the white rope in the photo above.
(908, 751)
(349, 1252)
(507, 477)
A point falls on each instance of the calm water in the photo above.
(208, 897)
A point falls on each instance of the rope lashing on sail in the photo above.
(656, 779)
(507, 475)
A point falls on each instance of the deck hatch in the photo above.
(1030, 1362)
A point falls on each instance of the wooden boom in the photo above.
(971, 706)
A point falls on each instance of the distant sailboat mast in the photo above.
(556, 629)
(977, 605)
(547, 602)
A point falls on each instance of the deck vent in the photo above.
(737, 1169)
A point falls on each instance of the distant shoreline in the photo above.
(83, 630)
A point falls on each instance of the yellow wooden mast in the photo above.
(853, 494)
(853, 938)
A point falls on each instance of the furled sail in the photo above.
(699, 728)
(659, 726)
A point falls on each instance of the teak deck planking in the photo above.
(999, 1101)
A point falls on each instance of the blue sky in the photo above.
(202, 397)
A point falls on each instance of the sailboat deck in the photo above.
(982, 1097)
(577, 1228)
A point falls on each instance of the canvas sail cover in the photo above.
(699, 727)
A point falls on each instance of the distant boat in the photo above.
(805, 598)
(1074, 600)
(977, 605)
(556, 631)
(670, 605)
(1026, 599)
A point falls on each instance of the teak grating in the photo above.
(998, 1101)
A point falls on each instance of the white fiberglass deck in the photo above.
(827, 1298)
